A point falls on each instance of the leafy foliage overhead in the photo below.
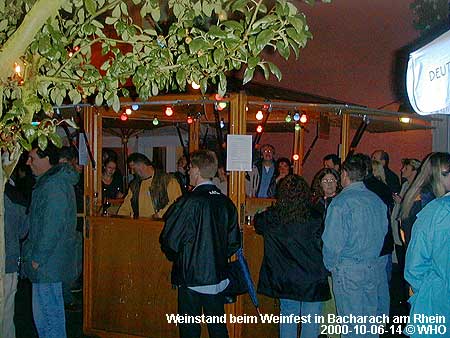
(100, 48)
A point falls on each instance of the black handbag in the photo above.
(238, 284)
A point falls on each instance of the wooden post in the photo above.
(194, 135)
(345, 136)
(299, 149)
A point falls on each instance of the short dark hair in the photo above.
(334, 158)
(139, 158)
(51, 151)
(206, 162)
(356, 167)
(69, 153)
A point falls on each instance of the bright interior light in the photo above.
(155, 121)
(123, 117)
(288, 118)
(259, 115)
(169, 111)
(190, 120)
(303, 118)
(297, 127)
(222, 104)
(17, 68)
(295, 157)
(135, 106)
(195, 85)
(405, 119)
(128, 111)
(259, 129)
(296, 116)
(222, 124)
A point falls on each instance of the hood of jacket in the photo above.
(62, 172)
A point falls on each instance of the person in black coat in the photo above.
(292, 268)
(200, 234)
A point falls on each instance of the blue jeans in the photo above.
(361, 289)
(295, 307)
(48, 310)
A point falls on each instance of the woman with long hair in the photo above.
(292, 268)
(427, 267)
(428, 185)
(112, 184)
(326, 185)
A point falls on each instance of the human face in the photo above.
(446, 178)
(408, 172)
(328, 164)
(329, 185)
(267, 154)
(345, 180)
(283, 169)
(139, 169)
(38, 165)
(110, 168)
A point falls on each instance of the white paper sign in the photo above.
(239, 152)
(428, 78)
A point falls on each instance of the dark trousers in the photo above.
(192, 303)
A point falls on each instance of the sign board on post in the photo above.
(428, 78)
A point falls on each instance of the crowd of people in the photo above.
(329, 247)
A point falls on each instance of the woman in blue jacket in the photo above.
(427, 267)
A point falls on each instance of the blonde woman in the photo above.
(428, 185)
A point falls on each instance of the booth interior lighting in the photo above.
(128, 111)
(296, 117)
(222, 123)
(123, 117)
(155, 121)
(190, 120)
(135, 107)
(295, 157)
(288, 118)
(259, 129)
(169, 111)
(259, 115)
(303, 118)
(405, 119)
(297, 127)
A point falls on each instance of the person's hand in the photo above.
(35, 265)
(397, 198)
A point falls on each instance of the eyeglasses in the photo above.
(267, 151)
(328, 181)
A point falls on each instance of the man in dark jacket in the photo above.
(392, 180)
(48, 251)
(200, 234)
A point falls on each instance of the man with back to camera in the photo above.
(48, 251)
(200, 234)
(151, 192)
(355, 228)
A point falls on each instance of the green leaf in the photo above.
(181, 76)
(222, 87)
(204, 85)
(26, 145)
(29, 132)
(207, 8)
(116, 12)
(197, 44)
(275, 70)
(203, 61)
(216, 32)
(253, 61)
(296, 22)
(248, 75)
(91, 6)
(116, 103)
(219, 56)
(294, 35)
(234, 25)
(42, 142)
(110, 20)
(155, 89)
(265, 69)
(283, 49)
(263, 39)
(56, 139)
(99, 99)
(264, 21)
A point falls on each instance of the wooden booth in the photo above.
(127, 290)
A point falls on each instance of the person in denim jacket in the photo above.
(355, 227)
